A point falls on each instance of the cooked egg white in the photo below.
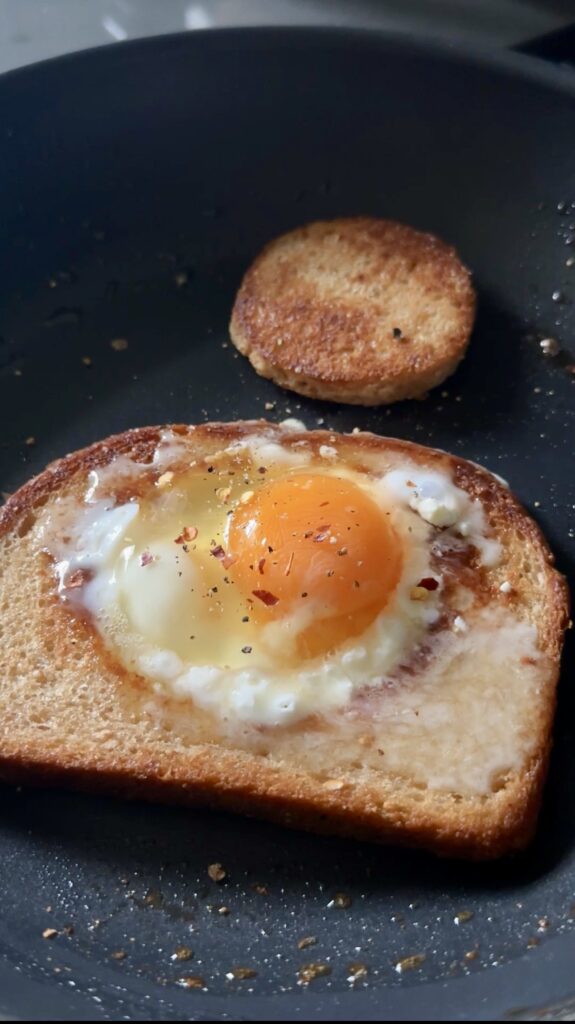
(269, 586)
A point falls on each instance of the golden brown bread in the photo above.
(355, 310)
(70, 715)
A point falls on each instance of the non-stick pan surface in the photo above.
(136, 183)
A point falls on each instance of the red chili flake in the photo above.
(146, 557)
(261, 564)
(319, 537)
(218, 552)
(77, 579)
(265, 597)
(429, 583)
(187, 534)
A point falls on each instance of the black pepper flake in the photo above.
(245, 618)
(246, 650)
(304, 593)
(210, 469)
(397, 332)
(262, 469)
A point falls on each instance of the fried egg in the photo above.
(263, 583)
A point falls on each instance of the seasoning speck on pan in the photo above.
(216, 872)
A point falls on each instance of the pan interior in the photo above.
(130, 213)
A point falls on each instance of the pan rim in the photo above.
(527, 66)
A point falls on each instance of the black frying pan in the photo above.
(136, 183)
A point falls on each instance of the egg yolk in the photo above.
(316, 541)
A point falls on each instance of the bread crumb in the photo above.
(49, 933)
(356, 971)
(216, 872)
(119, 954)
(307, 941)
(119, 344)
(333, 784)
(87, 360)
(341, 901)
(309, 972)
(191, 981)
(419, 594)
(241, 974)
(549, 346)
(409, 963)
(268, 406)
(463, 916)
(505, 587)
(30, 441)
(182, 953)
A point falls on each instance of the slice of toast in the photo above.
(72, 713)
(357, 310)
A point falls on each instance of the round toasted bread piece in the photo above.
(356, 310)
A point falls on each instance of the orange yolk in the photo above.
(317, 541)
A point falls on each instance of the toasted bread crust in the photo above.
(320, 309)
(475, 827)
